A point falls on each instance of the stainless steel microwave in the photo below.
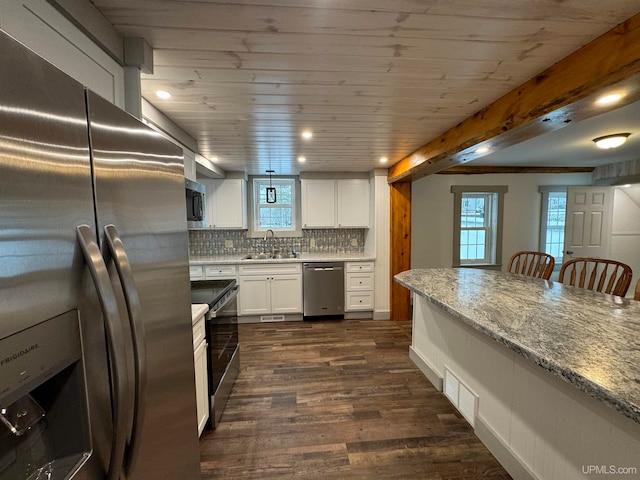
(195, 204)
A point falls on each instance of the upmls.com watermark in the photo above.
(608, 470)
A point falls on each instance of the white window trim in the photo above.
(544, 211)
(496, 234)
(252, 232)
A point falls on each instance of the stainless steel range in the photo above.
(223, 362)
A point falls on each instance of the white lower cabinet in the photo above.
(270, 289)
(200, 363)
(202, 394)
(359, 286)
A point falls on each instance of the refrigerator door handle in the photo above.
(132, 300)
(116, 346)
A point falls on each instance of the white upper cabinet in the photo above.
(189, 164)
(353, 203)
(42, 28)
(226, 203)
(318, 203)
(340, 203)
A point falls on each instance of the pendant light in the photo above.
(271, 191)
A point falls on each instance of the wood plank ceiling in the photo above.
(369, 78)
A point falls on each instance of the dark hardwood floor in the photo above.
(338, 399)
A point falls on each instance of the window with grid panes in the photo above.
(477, 225)
(278, 216)
(552, 221)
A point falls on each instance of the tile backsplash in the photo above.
(235, 242)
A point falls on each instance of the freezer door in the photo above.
(139, 190)
(45, 192)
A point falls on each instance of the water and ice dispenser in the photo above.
(44, 421)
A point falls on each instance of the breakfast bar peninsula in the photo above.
(548, 375)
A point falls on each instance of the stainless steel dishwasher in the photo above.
(323, 286)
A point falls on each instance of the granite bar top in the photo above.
(302, 257)
(588, 339)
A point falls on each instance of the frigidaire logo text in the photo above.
(18, 354)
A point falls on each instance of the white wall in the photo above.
(378, 243)
(432, 213)
(625, 230)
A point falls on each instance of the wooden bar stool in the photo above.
(636, 293)
(532, 264)
(599, 274)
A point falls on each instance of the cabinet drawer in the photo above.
(359, 267)
(198, 332)
(359, 281)
(195, 272)
(219, 271)
(270, 269)
(359, 301)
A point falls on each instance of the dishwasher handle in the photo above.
(322, 267)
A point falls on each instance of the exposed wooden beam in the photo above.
(400, 203)
(562, 93)
(483, 169)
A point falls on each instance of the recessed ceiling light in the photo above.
(611, 141)
(384, 159)
(307, 134)
(609, 99)
(481, 150)
(213, 159)
(301, 159)
(626, 185)
(163, 94)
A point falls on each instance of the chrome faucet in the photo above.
(267, 234)
(265, 239)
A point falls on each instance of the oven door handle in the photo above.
(233, 294)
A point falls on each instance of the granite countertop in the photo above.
(588, 339)
(197, 311)
(302, 257)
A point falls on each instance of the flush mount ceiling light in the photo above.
(271, 191)
(307, 134)
(163, 94)
(301, 159)
(609, 99)
(611, 141)
(481, 150)
(383, 159)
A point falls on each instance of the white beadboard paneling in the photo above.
(549, 426)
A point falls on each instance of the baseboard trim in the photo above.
(507, 458)
(434, 377)
(382, 315)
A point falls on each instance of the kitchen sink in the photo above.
(268, 256)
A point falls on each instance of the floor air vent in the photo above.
(461, 396)
(271, 318)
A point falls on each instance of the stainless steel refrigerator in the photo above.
(96, 356)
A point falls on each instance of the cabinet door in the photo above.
(230, 203)
(202, 393)
(225, 203)
(318, 203)
(286, 294)
(254, 296)
(189, 164)
(353, 203)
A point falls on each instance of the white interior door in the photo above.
(588, 225)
